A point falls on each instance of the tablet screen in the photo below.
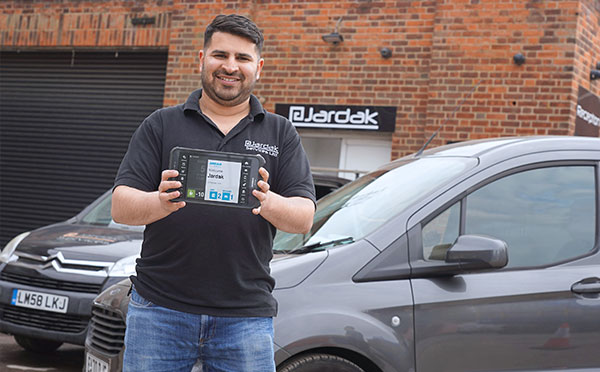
(216, 177)
(214, 180)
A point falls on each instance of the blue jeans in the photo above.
(158, 339)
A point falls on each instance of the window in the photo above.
(362, 206)
(440, 233)
(545, 215)
(100, 215)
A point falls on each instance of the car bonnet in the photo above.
(82, 242)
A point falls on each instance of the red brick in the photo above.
(440, 50)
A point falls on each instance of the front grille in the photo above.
(43, 319)
(45, 282)
(107, 330)
(34, 262)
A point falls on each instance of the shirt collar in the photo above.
(256, 109)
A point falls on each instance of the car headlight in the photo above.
(7, 253)
(124, 267)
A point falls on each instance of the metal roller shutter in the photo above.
(65, 122)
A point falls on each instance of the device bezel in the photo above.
(256, 161)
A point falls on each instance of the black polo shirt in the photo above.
(204, 259)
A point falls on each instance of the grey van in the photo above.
(477, 256)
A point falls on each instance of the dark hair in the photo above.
(236, 25)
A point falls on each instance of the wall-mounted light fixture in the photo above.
(385, 52)
(595, 74)
(334, 38)
(142, 21)
(519, 59)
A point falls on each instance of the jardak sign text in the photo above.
(374, 118)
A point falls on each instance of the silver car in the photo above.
(477, 256)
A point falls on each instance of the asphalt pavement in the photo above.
(68, 358)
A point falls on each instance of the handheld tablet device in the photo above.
(216, 178)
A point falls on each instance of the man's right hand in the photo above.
(131, 206)
(165, 196)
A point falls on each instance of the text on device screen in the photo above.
(214, 180)
(222, 181)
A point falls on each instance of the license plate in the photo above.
(40, 301)
(93, 364)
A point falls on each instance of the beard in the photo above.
(226, 96)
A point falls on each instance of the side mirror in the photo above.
(476, 252)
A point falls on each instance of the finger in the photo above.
(178, 205)
(256, 211)
(168, 173)
(264, 174)
(265, 187)
(166, 196)
(173, 195)
(261, 196)
(165, 186)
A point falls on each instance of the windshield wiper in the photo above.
(315, 246)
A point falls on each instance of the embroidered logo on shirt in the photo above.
(262, 147)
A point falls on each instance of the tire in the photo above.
(37, 345)
(319, 363)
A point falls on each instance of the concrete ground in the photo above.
(68, 358)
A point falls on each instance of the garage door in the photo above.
(65, 122)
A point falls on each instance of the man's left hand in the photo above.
(262, 194)
(290, 214)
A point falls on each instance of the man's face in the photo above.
(229, 68)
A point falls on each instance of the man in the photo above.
(202, 294)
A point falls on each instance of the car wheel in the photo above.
(319, 363)
(37, 345)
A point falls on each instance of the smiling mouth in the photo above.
(227, 79)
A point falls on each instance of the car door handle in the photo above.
(587, 285)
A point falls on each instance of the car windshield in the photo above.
(364, 205)
(100, 215)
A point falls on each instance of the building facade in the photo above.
(401, 71)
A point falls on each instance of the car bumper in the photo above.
(96, 360)
(70, 327)
(105, 340)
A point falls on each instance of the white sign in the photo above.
(93, 364)
(40, 301)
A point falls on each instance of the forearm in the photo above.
(135, 207)
(293, 214)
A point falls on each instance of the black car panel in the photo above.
(50, 276)
(391, 264)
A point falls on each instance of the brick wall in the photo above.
(189, 19)
(302, 68)
(441, 49)
(475, 41)
(55, 23)
(587, 51)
